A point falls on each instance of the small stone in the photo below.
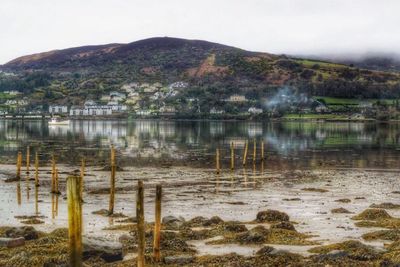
(27, 232)
(266, 250)
(12, 242)
(108, 251)
(179, 259)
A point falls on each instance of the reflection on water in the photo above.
(295, 143)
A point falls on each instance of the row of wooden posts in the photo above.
(245, 152)
(54, 170)
(74, 189)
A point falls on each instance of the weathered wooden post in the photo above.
(217, 165)
(232, 156)
(28, 159)
(262, 150)
(53, 173)
(254, 150)
(140, 224)
(19, 197)
(36, 200)
(19, 163)
(157, 225)
(112, 182)
(246, 147)
(82, 176)
(74, 221)
(36, 169)
(56, 183)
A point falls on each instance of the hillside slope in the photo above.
(213, 71)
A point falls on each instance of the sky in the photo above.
(296, 27)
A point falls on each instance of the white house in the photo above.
(216, 111)
(236, 98)
(95, 110)
(254, 110)
(116, 107)
(58, 109)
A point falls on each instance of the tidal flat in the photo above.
(213, 219)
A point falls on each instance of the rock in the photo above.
(333, 255)
(266, 250)
(12, 242)
(214, 220)
(27, 232)
(199, 220)
(254, 236)
(271, 216)
(234, 227)
(108, 251)
(283, 225)
(172, 221)
(179, 259)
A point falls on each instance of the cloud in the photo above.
(284, 26)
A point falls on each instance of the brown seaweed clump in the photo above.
(271, 216)
(340, 210)
(261, 235)
(51, 249)
(32, 221)
(373, 215)
(312, 189)
(385, 205)
(376, 218)
(392, 235)
(354, 250)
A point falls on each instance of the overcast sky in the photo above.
(276, 26)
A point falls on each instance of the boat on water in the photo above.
(54, 121)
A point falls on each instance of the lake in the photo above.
(193, 143)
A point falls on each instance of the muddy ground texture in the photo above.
(252, 217)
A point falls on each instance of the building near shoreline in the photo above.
(90, 108)
(58, 109)
(236, 98)
(254, 110)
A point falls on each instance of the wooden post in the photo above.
(36, 169)
(19, 163)
(56, 183)
(36, 200)
(19, 197)
(53, 173)
(112, 182)
(140, 225)
(246, 147)
(254, 150)
(157, 225)
(82, 176)
(74, 221)
(232, 156)
(217, 161)
(262, 150)
(28, 159)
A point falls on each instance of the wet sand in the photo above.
(190, 192)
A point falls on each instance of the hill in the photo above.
(213, 72)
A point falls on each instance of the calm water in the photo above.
(287, 144)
